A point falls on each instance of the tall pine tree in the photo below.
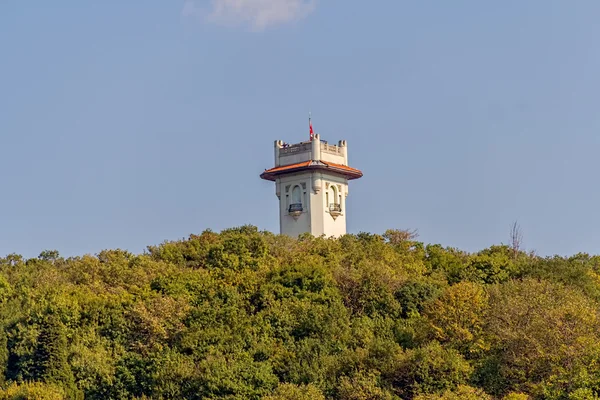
(53, 356)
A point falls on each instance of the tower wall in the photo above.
(315, 217)
(288, 224)
(322, 221)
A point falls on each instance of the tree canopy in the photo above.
(244, 314)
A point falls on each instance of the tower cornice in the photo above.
(348, 172)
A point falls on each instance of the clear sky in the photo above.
(127, 123)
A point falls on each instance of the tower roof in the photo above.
(348, 172)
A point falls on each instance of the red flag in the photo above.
(312, 134)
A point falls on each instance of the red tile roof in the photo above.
(287, 168)
(342, 167)
(348, 172)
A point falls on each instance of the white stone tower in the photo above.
(311, 182)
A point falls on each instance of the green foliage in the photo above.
(51, 357)
(583, 394)
(6, 290)
(413, 296)
(3, 356)
(493, 265)
(429, 369)
(244, 314)
(451, 262)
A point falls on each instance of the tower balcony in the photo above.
(295, 209)
(335, 210)
(335, 207)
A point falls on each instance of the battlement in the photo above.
(287, 149)
(315, 150)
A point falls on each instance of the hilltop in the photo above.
(244, 314)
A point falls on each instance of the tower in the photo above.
(311, 182)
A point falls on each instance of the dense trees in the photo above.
(250, 315)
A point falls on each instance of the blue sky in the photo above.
(126, 123)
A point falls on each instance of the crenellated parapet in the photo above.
(315, 150)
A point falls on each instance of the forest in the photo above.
(245, 314)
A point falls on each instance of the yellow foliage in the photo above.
(32, 391)
(457, 316)
(544, 332)
(462, 392)
(516, 396)
(288, 391)
(362, 387)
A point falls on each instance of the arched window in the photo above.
(297, 195)
(332, 192)
(333, 200)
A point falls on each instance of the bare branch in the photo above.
(516, 238)
(395, 236)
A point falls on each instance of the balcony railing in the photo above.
(295, 148)
(330, 148)
(295, 207)
(335, 207)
